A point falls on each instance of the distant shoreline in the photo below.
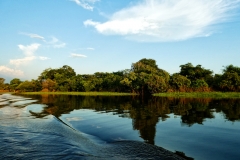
(199, 94)
(167, 94)
(81, 93)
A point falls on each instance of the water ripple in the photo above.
(26, 137)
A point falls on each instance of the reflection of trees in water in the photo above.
(145, 113)
(230, 108)
(192, 110)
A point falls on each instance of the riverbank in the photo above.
(200, 94)
(80, 93)
(168, 94)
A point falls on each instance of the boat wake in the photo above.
(24, 136)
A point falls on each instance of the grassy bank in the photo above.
(80, 93)
(200, 94)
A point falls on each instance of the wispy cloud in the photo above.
(90, 48)
(87, 48)
(75, 55)
(29, 49)
(43, 58)
(86, 4)
(32, 35)
(167, 20)
(53, 41)
(22, 61)
(26, 60)
(11, 72)
(56, 43)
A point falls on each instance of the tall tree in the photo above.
(179, 82)
(47, 74)
(66, 71)
(49, 84)
(26, 86)
(232, 69)
(2, 83)
(14, 83)
(149, 78)
(200, 77)
(194, 73)
(229, 80)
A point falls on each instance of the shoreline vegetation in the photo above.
(80, 93)
(143, 78)
(167, 94)
(199, 94)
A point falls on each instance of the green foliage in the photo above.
(194, 73)
(156, 83)
(147, 77)
(26, 86)
(66, 71)
(145, 65)
(49, 73)
(199, 83)
(88, 85)
(129, 80)
(230, 81)
(232, 69)
(200, 94)
(14, 83)
(2, 83)
(76, 83)
(49, 85)
(37, 86)
(79, 93)
(6, 86)
(61, 76)
(144, 77)
(179, 82)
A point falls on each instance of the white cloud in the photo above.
(167, 20)
(22, 61)
(30, 49)
(60, 45)
(9, 71)
(29, 52)
(86, 4)
(43, 58)
(56, 43)
(26, 60)
(90, 48)
(32, 35)
(74, 55)
(90, 22)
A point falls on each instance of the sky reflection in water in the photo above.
(201, 128)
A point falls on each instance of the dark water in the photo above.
(78, 127)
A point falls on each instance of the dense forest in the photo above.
(144, 77)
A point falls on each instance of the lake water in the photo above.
(85, 127)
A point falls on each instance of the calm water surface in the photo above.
(83, 127)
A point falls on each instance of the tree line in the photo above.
(144, 77)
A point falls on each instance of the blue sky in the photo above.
(107, 35)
